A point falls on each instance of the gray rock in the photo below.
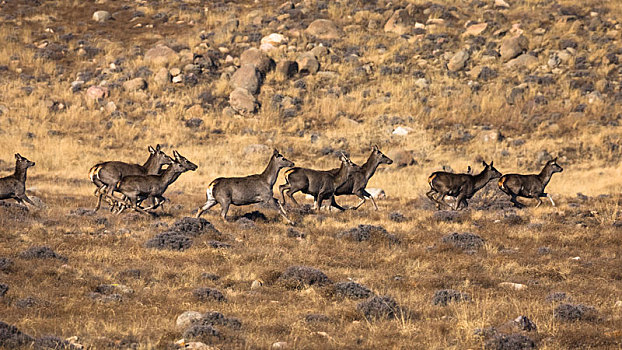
(445, 296)
(513, 46)
(464, 241)
(242, 101)
(209, 294)
(458, 61)
(246, 77)
(399, 23)
(187, 318)
(323, 29)
(523, 61)
(162, 77)
(574, 312)
(135, 84)
(307, 63)
(257, 58)
(286, 69)
(380, 307)
(352, 290)
(101, 16)
(160, 55)
(300, 276)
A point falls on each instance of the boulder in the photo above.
(274, 39)
(242, 101)
(101, 16)
(307, 63)
(399, 23)
(135, 84)
(160, 55)
(162, 77)
(458, 61)
(97, 92)
(257, 58)
(323, 29)
(476, 29)
(246, 77)
(523, 61)
(286, 69)
(513, 46)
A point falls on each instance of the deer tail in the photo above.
(94, 172)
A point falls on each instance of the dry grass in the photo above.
(357, 107)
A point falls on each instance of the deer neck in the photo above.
(370, 166)
(481, 180)
(169, 176)
(151, 166)
(271, 172)
(545, 175)
(20, 172)
(342, 175)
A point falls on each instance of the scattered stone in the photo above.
(402, 158)
(298, 277)
(501, 4)
(218, 244)
(53, 342)
(376, 193)
(513, 46)
(256, 284)
(274, 39)
(511, 285)
(162, 77)
(465, 241)
(399, 23)
(323, 29)
(368, 232)
(41, 253)
(135, 84)
(514, 341)
(209, 294)
(286, 69)
(574, 312)
(476, 29)
(352, 290)
(523, 323)
(170, 240)
(280, 345)
(200, 332)
(402, 131)
(97, 92)
(257, 58)
(160, 55)
(246, 77)
(187, 318)
(523, 61)
(6, 265)
(397, 216)
(28, 302)
(445, 296)
(4, 288)
(293, 233)
(380, 307)
(307, 63)
(242, 101)
(215, 318)
(101, 16)
(11, 337)
(193, 123)
(458, 61)
(194, 227)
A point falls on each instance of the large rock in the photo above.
(246, 77)
(242, 101)
(135, 84)
(101, 16)
(323, 29)
(160, 55)
(513, 46)
(286, 69)
(476, 29)
(257, 58)
(162, 77)
(274, 39)
(97, 92)
(307, 63)
(399, 23)
(458, 61)
(523, 61)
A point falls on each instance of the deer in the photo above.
(251, 189)
(461, 186)
(136, 188)
(319, 183)
(107, 174)
(14, 186)
(356, 183)
(529, 186)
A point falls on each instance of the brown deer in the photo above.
(356, 183)
(14, 186)
(529, 186)
(319, 183)
(107, 174)
(247, 190)
(461, 186)
(136, 188)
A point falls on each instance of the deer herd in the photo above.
(126, 185)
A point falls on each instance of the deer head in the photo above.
(22, 162)
(490, 169)
(160, 157)
(380, 157)
(555, 168)
(281, 161)
(183, 162)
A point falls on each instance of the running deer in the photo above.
(360, 176)
(319, 183)
(461, 186)
(247, 190)
(107, 174)
(529, 186)
(136, 188)
(14, 186)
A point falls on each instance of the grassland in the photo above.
(570, 110)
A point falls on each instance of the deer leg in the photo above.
(275, 204)
(25, 198)
(441, 201)
(539, 201)
(373, 201)
(460, 199)
(430, 195)
(282, 190)
(516, 202)
(224, 208)
(550, 198)
(333, 203)
(21, 201)
(362, 198)
(210, 203)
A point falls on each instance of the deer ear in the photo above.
(276, 152)
(484, 163)
(555, 160)
(151, 150)
(158, 147)
(375, 148)
(491, 163)
(176, 154)
(18, 156)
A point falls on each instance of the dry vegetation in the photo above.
(108, 289)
